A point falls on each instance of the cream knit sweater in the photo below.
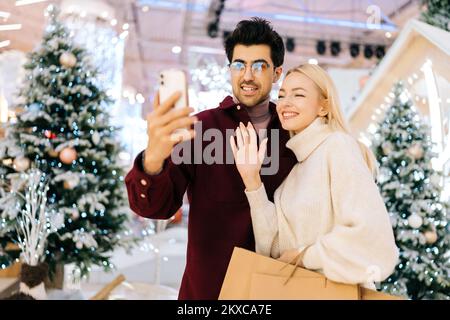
(331, 202)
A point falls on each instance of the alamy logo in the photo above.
(212, 146)
(374, 19)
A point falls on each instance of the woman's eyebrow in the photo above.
(294, 89)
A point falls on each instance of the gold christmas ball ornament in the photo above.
(68, 60)
(69, 184)
(8, 162)
(68, 155)
(416, 151)
(21, 164)
(52, 153)
(431, 236)
(387, 148)
(75, 215)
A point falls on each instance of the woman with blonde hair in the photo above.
(328, 214)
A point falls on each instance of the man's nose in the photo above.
(248, 74)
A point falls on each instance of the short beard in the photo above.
(261, 100)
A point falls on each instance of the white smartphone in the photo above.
(170, 81)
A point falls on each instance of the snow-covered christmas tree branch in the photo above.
(34, 224)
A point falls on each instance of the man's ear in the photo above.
(278, 72)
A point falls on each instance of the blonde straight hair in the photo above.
(334, 117)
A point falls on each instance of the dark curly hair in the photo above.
(253, 32)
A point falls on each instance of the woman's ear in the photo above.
(323, 110)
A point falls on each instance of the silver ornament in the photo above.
(21, 164)
(415, 221)
(96, 137)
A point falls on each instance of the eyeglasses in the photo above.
(257, 67)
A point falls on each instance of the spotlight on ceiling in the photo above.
(176, 49)
(216, 8)
(290, 44)
(335, 48)
(213, 29)
(225, 35)
(368, 51)
(354, 50)
(321, 47)
(380, 51)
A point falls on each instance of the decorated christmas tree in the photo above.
(411, 190)
(437, 13)
(62, 128)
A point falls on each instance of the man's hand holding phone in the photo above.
(161, 124)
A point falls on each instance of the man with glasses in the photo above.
(219, 214)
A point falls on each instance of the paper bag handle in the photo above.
(298, 263)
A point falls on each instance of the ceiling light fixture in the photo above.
(380, 51)
(354, 50)
(5, 15)
(290, 44)
(368, 51)
(26, 2)
(335, 48)
(5, 43)
(176, 49)
(7, 27)
(321, 47)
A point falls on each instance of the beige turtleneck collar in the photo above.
(306, 141)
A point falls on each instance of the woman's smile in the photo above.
(287, 115)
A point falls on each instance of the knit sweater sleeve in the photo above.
(264, 221)
(361, 246)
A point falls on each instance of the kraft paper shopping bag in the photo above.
(256, 277)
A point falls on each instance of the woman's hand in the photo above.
(247, 156)
(289, 256)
